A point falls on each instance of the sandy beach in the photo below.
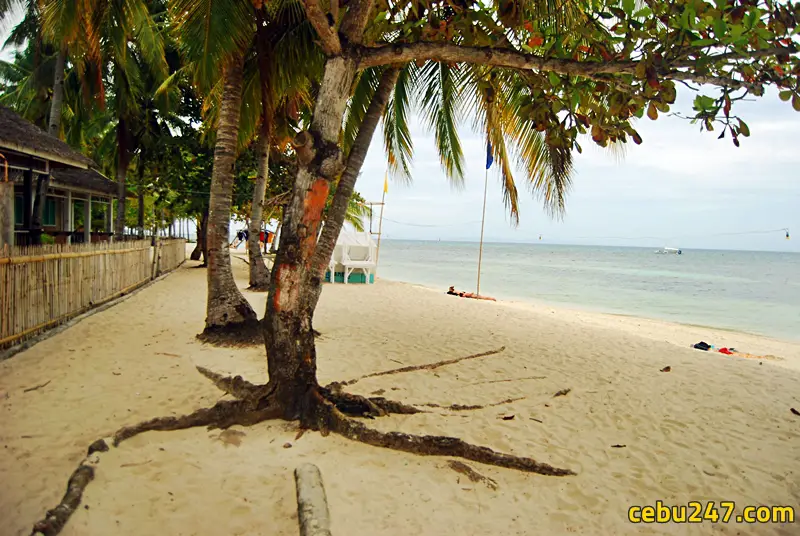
(713, 428)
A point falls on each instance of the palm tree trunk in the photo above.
(259, 275)
(226, 308)
(344, 190)
(274, 247)
(291, 355)
(140, 216)
(200, 247)
(123, 159)
(57, 102)
(53, 128)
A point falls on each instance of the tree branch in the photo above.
(326, 30)
(355, 20)
(448, 52)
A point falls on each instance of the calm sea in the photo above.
(757, 292)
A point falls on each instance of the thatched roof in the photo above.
(22, 136)
(85, 179)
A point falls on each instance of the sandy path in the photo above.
(714, 428)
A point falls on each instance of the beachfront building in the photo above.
(79, 201)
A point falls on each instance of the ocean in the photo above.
(754, 292)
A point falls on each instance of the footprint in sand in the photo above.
(231, 437)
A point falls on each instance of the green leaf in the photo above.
(652, 112)
(703, 103)
(643, 13)
(720, 28)
(628, 6)
(703, 42)
(744, 130)
(554, 78)
(785, 95)
(576, 99)
(796, 102)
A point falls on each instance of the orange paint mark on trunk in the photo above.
(276, 295)
(313, 205)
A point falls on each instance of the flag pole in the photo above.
(483, 220)
(380, 220)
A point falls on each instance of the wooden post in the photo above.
(312, 504)
(69, 216)
(87, 219)
(27, 199)
(6, 214)
(110, 219)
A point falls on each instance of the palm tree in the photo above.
(214, 38)
(286, 60)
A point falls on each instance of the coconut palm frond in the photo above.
(357, 212)
(363, 92)
(441, 86)
(397, 137)
(209, 32)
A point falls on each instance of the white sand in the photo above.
(714, 428)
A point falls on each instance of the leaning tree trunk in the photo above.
(273, 248)
(140, 199)
(291, 355)
(57, 102)
(227, 312)
(259, 275)
(123, 159)
(344, 189)
(53, 128)
(200, 248)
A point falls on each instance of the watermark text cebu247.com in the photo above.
(710, 512)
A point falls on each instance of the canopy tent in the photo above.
(353, 259)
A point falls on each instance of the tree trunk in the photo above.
(200, 247)
(57, 102)
(39, 200)
(259, 275)
(140, 218)
(123, 158)
(344, 190)
(291, 355)
(226, 308)
(274, 247)
(53, 128)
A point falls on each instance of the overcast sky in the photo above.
(680, 188)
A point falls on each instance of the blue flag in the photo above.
(489, 157)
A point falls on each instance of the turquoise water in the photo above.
(757, 292)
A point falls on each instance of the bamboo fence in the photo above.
(44, 286)
(172, 254)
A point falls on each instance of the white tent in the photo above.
(353, 255)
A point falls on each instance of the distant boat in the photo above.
(669, 251)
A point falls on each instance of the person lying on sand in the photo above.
(453, 292)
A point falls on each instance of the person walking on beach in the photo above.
(241, 237)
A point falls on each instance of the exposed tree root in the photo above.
(472, 474)
(234, 335)
(335, 421)
(235, 386)
(371, 407)
(429, 366)
(55, 519)
(460, 407)
(223, 414)
(323, 409)
(510, 380)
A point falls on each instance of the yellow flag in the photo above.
(386, 183)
